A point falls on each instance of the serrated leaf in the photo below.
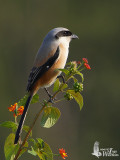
(9, 124)
(22, 101)
(50, 117)
(64, 71)
(77, 96)
(56, 85)
(26, 129)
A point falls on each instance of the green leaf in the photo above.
(33, 152)
(32, 140)
(40, 142)
(35, 99)
(64, 71)
(50, 117)
(77, 96)
(9, 147)
(47, 154)
(26, 144)
(22, 101)
(14, 126)
(42, 149)
(56, 85)
(9, 124)
(64, 86)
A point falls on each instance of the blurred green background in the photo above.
(23, 25)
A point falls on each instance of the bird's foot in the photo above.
(51, 100)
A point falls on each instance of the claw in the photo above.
(51, 97)
(51, 100)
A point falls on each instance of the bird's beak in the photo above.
(74, 36)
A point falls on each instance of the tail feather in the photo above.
(19, 130)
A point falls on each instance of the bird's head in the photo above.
(60, 35)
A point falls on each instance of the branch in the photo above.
(36, 118)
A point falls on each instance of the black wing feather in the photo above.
(37, 72)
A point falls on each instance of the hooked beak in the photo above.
(74, 36)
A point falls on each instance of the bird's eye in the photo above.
(65, 33)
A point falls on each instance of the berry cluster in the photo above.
(68, 96)
(78, 87)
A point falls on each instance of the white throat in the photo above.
(65, 41)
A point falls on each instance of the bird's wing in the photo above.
(37, 72)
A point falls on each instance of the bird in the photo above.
(51, 56)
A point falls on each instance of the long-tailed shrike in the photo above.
(52, 55)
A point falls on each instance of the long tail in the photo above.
(19, 130)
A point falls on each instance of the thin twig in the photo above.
(59, 100)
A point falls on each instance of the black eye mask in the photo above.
(63, 34)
